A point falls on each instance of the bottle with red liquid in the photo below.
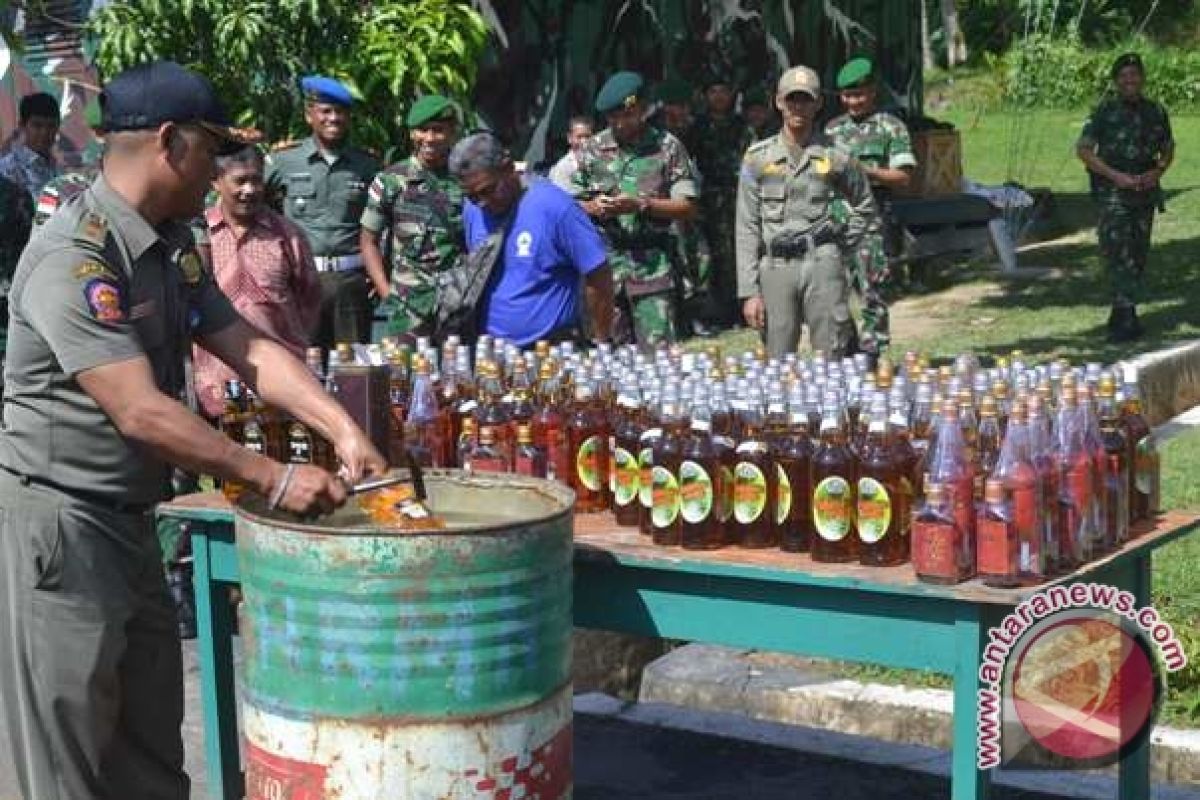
(1018, 475)
(422, 425)
(1075, 484)
(834, 481)
(493, 411)
(549, 425)
(952, 470)
(1041, 452)
(1114, 486)
(880, 494)
(937, 547)
(468, 437)
(997, 561)
(485, 455)
(988, 439)
(1093, 443)
(626, 473)
(530, 459)
(587, 442)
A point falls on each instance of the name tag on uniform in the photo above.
(301, 184)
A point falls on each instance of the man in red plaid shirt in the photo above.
(262, 262)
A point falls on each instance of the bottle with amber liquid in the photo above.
(467, 438)
(698, 474)
(398, 391)
(1114, 485)
(549, 424)
(230, 424)
(1093, 443)
(880, 490)
(587, 443)
(647, 442)
(1144, 460)
(530, 459)
(911, 468)
(724, 446)
(422, 428)
(793, 460)
(626, 472)
(834, 480)
(665, 522)
(988, 442)
(493, 411)
(755, 481)
(485, 455)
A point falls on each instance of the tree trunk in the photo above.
(926, 46)
(956, 44)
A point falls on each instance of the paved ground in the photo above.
(650, 752)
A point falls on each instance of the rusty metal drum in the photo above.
(411, 665)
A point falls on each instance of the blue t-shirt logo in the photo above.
(524, 244)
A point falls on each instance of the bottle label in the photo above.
(646, 477)
(665, 506)
(587, 463)
(530, 464)
(873, 510)
(749, 492)
(252, 438)
(299, 445)
(783, 501)
(486, 465)
(725, 489)
(626, 476)
(997, 547)
(695, 492)
(936, 548)
(833, 508)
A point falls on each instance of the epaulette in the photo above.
(287, 144)
(92, 230)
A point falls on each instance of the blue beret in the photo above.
(320, 89)
(619, 91)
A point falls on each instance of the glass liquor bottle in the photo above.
(587, 443)
(951, 468)
(989, 439)
(878, 506)
(467, 437)
(793, 457)
(647, 443)
(1144, 460)
(1114, 486)
(833, 490)
(398, 391)
(1041, 452)
(665, 527)
(493, 411)
(485, 455)
(1075, 472)
(724, 444)
(626, 473)
(422, 432)
(699, 472)
(755, 482)
(530, 459)
(937, 547)
(997, 561)
(230, 424)
(1093, 443)
(1022, 496)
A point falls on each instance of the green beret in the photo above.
(856, 72)
(431, 107)
(675, 91)
(620, 91)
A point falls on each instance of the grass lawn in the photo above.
(1061, 311)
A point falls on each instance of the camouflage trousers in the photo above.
(719, 207)
(1124, 234)
(871, 279)
(647, 297)
(409, 311)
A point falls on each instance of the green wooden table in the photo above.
(765, 600)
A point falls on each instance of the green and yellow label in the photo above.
(783, 503)
(646, 477)
(874, 510)
(724, 493)
(833, 508)
(587, 463)
(626, 476)
(665, 493)
(695, 492)
(749, 492)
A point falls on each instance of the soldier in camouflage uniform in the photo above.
(634, 181)
(1127, 146)
(419, 206)
(695, 257)
(722, 137)
(881, 144)
(789, 248)
(759, 114)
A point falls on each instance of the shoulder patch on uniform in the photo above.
(104, 300)
(191, 267)
(92, 269)
(93, 228)
(821, 164)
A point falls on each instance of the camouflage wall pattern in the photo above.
(548, 57)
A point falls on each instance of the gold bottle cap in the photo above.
(988, 406)
(524, 433)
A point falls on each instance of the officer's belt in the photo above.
(641, 241)
(338, 263)
(83, 495)
(790, 245)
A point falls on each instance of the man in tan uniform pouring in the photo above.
(104, 304)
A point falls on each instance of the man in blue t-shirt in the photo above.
(550, 244)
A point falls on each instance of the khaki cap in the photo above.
(799, 79)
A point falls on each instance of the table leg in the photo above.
(1133, 777)
(967, 781)
(214, 625)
